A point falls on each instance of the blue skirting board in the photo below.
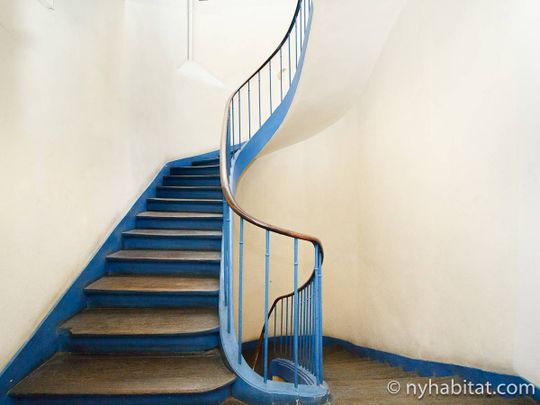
(47, 339)
(430, 368)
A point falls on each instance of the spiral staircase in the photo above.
(163, 324)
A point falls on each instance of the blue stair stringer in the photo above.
(139, 231)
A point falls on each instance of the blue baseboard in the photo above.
(47, 339)
(430, 368)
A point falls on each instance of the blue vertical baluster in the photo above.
(314, 331)
(307, 357)
(301, 27)
(306, 325)
(240, 282)
(259, 81)
(305, 15)
(239, 117)
(233, 132)
(291, 339)
(305, 330)
(231, 268)
(281, 73)
(270, 81)
(296, 45)
(266, 280)
(299, 322)
(225, 269)
(289, 46)
(295, 312)
(229, 125)
(308, 303)
(286, 325)
(311, 348)
(275, 325)
(281, 329)
(320, 335)
(228, 143)
(249, 108)
(310, 331)
(306, 19)
(318, 316)
(291, 334)
(313, 355)
(304, 334)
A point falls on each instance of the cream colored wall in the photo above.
(527, 335)
(424, 192)
(91, 107)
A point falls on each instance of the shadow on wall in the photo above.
(345, 43)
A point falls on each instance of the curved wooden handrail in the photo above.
(229, 196)
(225, 184)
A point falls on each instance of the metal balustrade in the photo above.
(292, 330)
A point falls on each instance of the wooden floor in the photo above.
(357, 380)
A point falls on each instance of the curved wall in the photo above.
(422, 189)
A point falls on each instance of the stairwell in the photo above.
(150, 331)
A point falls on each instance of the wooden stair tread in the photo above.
(193, 200)
(193, 176)
(196, 167)
(166, 255)
(173, 232)
(192, 187)
(76, 374)
(156, 284)
(143, 321)
(177, 214)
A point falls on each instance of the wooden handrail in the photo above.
(227, 191)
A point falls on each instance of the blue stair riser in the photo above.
(191, 181)
(165, 268)
(185, 206)
(96, 299)
(179, 223)
(211, 169)
(143, 344)
(207, 398)
(171, 242)
(164, 192)
(206, 162)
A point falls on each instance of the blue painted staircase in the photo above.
(149, 333)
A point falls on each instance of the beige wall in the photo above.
(91, 107)
(423, 191)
